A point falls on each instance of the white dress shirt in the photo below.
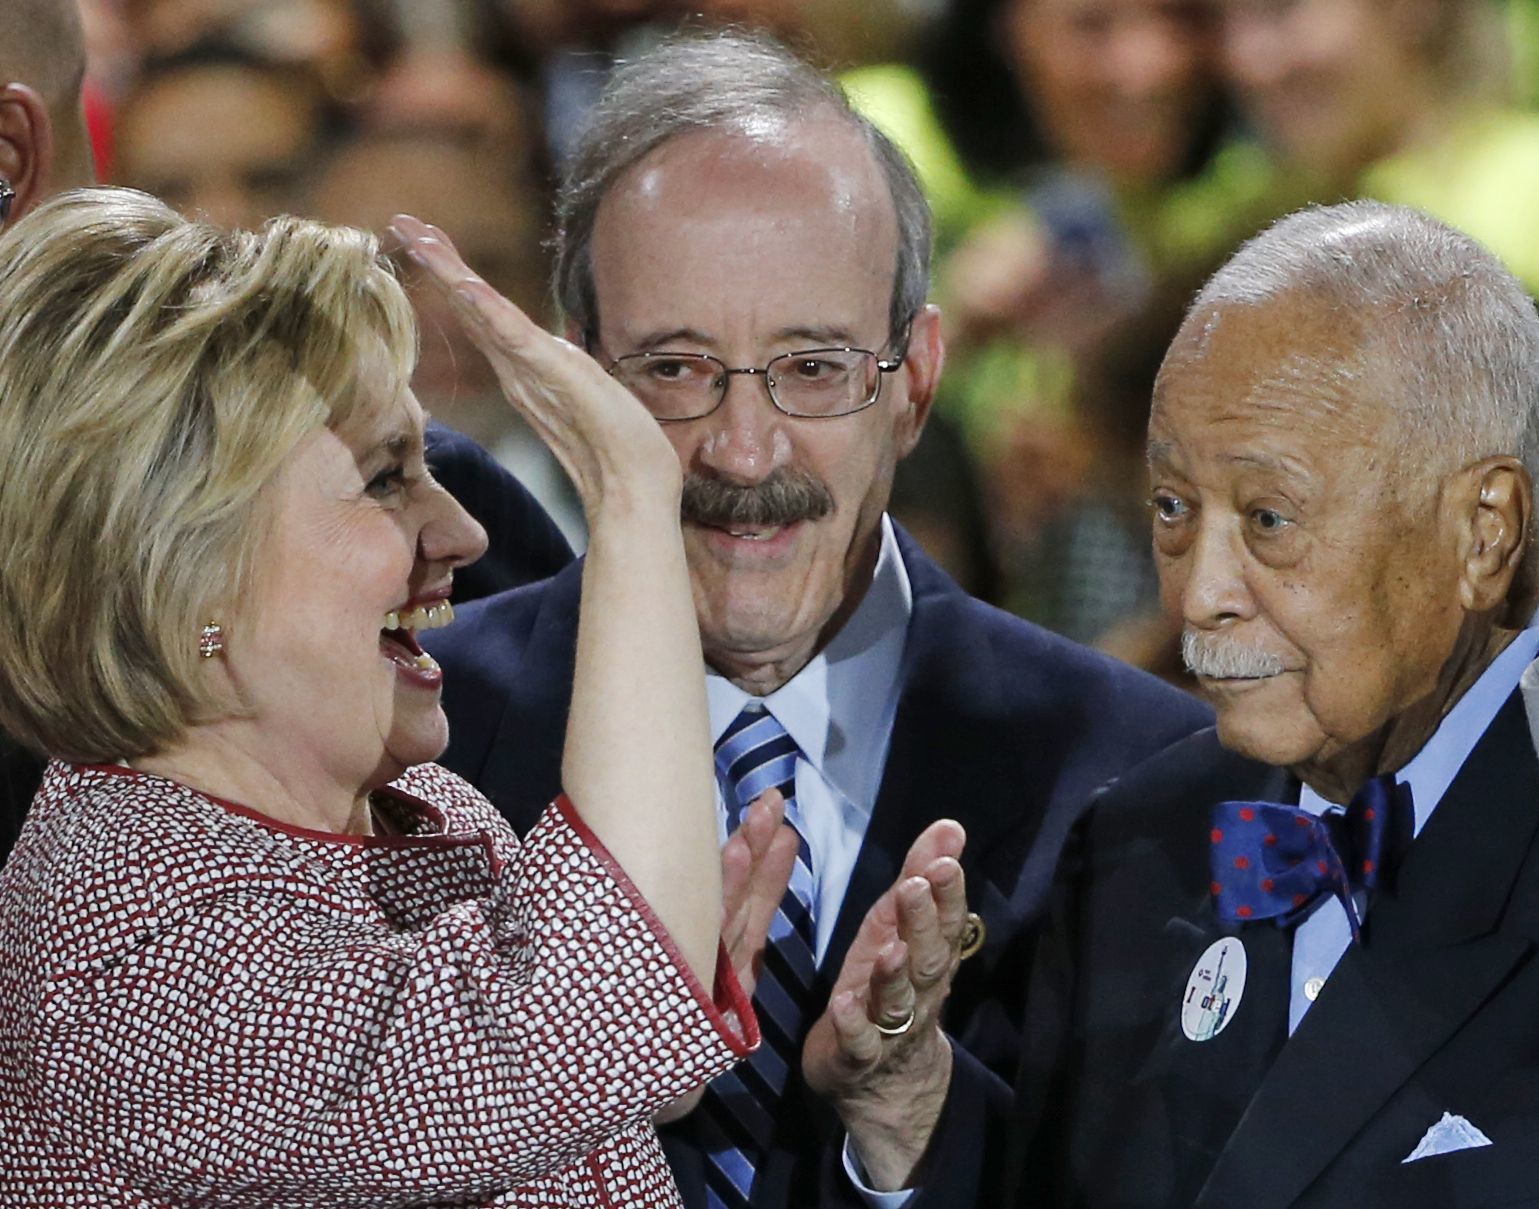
(1320, 940)
(839, 709)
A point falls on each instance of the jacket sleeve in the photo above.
(249, 1040)
(967, 1155)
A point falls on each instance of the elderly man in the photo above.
(44, 147)
(750, 257)
(1303, 971)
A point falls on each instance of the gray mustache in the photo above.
(1220, 658)
(785, 497)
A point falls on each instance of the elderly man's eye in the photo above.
(1268, 520)
(1168, 507)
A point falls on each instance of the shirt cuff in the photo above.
(873, 1198)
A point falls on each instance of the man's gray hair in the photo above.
(1454, 333)
(730, 82)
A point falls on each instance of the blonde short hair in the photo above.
(155, 373)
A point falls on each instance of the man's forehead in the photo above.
(828, 162)
(1290, 364)
(781, 232)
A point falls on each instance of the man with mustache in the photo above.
(1300, 969)
(750, 258)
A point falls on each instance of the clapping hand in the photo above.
(878, 1053)
(756, 865)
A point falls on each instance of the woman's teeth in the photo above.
(424, 617)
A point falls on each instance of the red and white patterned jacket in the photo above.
(199, 1006)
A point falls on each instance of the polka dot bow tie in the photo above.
(1279, 862)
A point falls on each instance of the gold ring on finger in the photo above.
(895, 1030)
(973, 934)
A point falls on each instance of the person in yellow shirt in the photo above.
(1404, 101)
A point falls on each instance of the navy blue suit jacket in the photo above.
(523, 543)
(1000, 724)
(1436, 1011)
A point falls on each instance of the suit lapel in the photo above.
(947, 756)
(1432, 956)
(1211, 1080)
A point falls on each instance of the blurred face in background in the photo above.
(1117, 85)
(1331, 84)
(227, 142)
(291, 30)
(495, 214)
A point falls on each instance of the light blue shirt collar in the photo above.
(1432, 770)
(838, 708)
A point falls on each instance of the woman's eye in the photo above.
(388, 482)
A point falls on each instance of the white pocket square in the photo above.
(1450, 1134)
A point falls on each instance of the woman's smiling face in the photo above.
(355, 529)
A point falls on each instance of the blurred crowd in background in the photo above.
(1089, 162)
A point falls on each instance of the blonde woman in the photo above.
(254, 948)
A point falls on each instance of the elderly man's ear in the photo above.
(1497, 503)
(27, 148)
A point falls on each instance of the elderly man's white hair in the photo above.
(1448, 330)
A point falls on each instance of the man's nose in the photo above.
(1209, 578)
(745, 438)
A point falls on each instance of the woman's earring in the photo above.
(7, 197)
(211, 640)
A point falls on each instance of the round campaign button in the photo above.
(1213, 991)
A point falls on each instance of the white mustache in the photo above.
(1221, 658)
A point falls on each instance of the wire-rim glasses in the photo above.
(808, 384)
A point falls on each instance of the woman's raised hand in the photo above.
(637, 762)
(606, 441)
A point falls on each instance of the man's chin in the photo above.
(1266, 732)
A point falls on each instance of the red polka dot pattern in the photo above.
(1262, 868)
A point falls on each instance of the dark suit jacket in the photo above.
(524, 544)
(20, 773)
(1437, 1011)
(1001, 725)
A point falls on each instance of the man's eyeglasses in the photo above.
(811, 384)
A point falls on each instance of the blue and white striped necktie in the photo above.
(738, 1113)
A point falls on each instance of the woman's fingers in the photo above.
(600, 434)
